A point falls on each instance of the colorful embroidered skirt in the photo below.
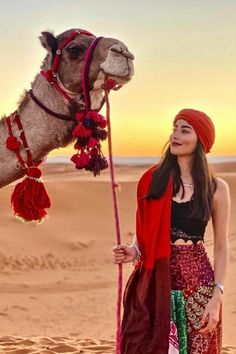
(192, 282)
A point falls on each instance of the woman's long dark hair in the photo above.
(203, 179)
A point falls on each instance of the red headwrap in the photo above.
(202, 125)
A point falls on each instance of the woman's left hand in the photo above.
(211, 316)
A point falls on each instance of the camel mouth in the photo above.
(119, 64)
(120, 79)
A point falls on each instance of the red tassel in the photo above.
(80, 130)
(97, 118)
(12, 143)
(80, 160)
(80, 116)
(92, 142)
(30, 199)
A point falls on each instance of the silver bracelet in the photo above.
(220, 286)
(138, 253)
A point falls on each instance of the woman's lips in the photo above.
(175, 144)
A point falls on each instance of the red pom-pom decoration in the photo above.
(103, 123)
(110, 84)
(95, 116)
(92, 142)
(102, 134)
(80, 116)
(89, 132)
(30, 199)
(80, 130)
(81, 142)
(97, 163)
(74, 158)
(80, 160)
(33, 172)
(12, 143)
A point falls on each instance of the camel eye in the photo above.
(75, 51)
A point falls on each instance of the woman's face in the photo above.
(183, 140)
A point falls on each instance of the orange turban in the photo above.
(201, 123)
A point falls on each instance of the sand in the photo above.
(58, 282)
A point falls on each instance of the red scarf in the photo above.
(153, 218)
(146, 318)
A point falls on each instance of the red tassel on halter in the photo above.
(30, 199)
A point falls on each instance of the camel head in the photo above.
(111, 59)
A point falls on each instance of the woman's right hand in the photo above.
(123, 254)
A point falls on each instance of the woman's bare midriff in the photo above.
(181, 242)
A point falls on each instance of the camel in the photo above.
(44, 132)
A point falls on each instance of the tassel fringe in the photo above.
(30, 198)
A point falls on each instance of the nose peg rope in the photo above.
(114, 185)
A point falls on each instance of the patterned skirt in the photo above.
(192, 281)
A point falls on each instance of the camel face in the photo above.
(111, 58)
(118, 61)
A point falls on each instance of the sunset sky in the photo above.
(185, 57)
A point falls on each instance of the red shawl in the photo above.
(153, 221)
(146, 319)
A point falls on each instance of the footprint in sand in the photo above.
(20, 307)
(228, 350)
(80, 245)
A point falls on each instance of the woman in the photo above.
(172, 301)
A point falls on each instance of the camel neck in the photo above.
(49, 97)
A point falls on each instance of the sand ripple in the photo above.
(53, 345)
(34, 262)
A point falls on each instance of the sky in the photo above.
(185, 57)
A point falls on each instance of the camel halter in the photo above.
(51, 74)
(30, 198)
(90, 129)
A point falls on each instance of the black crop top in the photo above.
(183, 227)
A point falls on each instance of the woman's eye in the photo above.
(185, 131)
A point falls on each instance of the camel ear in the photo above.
(49, 42)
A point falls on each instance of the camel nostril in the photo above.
(116, 49)
(125, 53)
(128, 55)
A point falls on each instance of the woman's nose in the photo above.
(175, 134)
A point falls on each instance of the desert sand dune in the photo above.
(58, 283)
